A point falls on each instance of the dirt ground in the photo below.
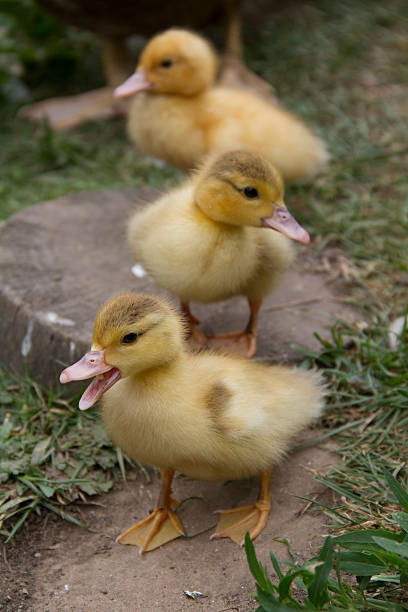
(56, 566)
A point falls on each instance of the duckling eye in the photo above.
(166, 63)
(251, 192)
(130, 338)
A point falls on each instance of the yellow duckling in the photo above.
(205, 242)
(208, 416)
(179, 116)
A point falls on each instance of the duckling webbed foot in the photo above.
(160, 527)
(236, 522)
(242, 342)
(239, 343)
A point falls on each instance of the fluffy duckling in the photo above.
(179, 116)
(204, 241)
(208, 416)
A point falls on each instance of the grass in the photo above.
(376, 558)
(49, 454)
(368, 401)
(39, 164)
(342, 67)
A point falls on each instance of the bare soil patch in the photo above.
(55, 566)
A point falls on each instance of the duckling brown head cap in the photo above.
(247, 163)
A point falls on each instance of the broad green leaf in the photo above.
(14, 502)
(269, 603)
(5, 430)
(276, 566)
(89, 488)
(104, 487)
(286, 582)
(362, 539)
(399, 492)
(400, 548)
(30, 485)
(46, 489)
(5, 399)
(402, 520)
(15, 466)
(258, 572)
(40, 451)
(360, 564)
(394, 578)
(318, 592)
(391, 559)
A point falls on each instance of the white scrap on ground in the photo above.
(138, 270)
(395, 331)
(26, 343)
(194, 594)
(53, 317)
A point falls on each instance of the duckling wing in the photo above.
(240, 118)
(257, 410)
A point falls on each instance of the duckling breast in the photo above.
(168, 127)
(190, 255)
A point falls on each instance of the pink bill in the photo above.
(282, 221)
(137, 82)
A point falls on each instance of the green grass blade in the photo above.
(399, 492)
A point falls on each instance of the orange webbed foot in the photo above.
(160, 527)
(235, 523)
(242, 343)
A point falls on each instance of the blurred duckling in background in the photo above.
(205, 240)
(179, 116)
(208, 416)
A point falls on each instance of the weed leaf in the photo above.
(399, 492)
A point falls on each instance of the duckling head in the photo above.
(242, 188)
(173, 62)
(132, 333)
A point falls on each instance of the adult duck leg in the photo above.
(161, 526)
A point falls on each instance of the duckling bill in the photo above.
(210, 239)
(208, 416)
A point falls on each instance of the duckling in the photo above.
(179, 116)
(204, 241)
(208, 416)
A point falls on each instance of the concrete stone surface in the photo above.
(60, 260)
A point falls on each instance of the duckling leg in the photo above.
(243, 342)
(161, 526)
(196, 335)
(236, 522)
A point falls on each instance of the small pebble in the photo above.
(138, 271)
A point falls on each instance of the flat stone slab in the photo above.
(61, 260)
